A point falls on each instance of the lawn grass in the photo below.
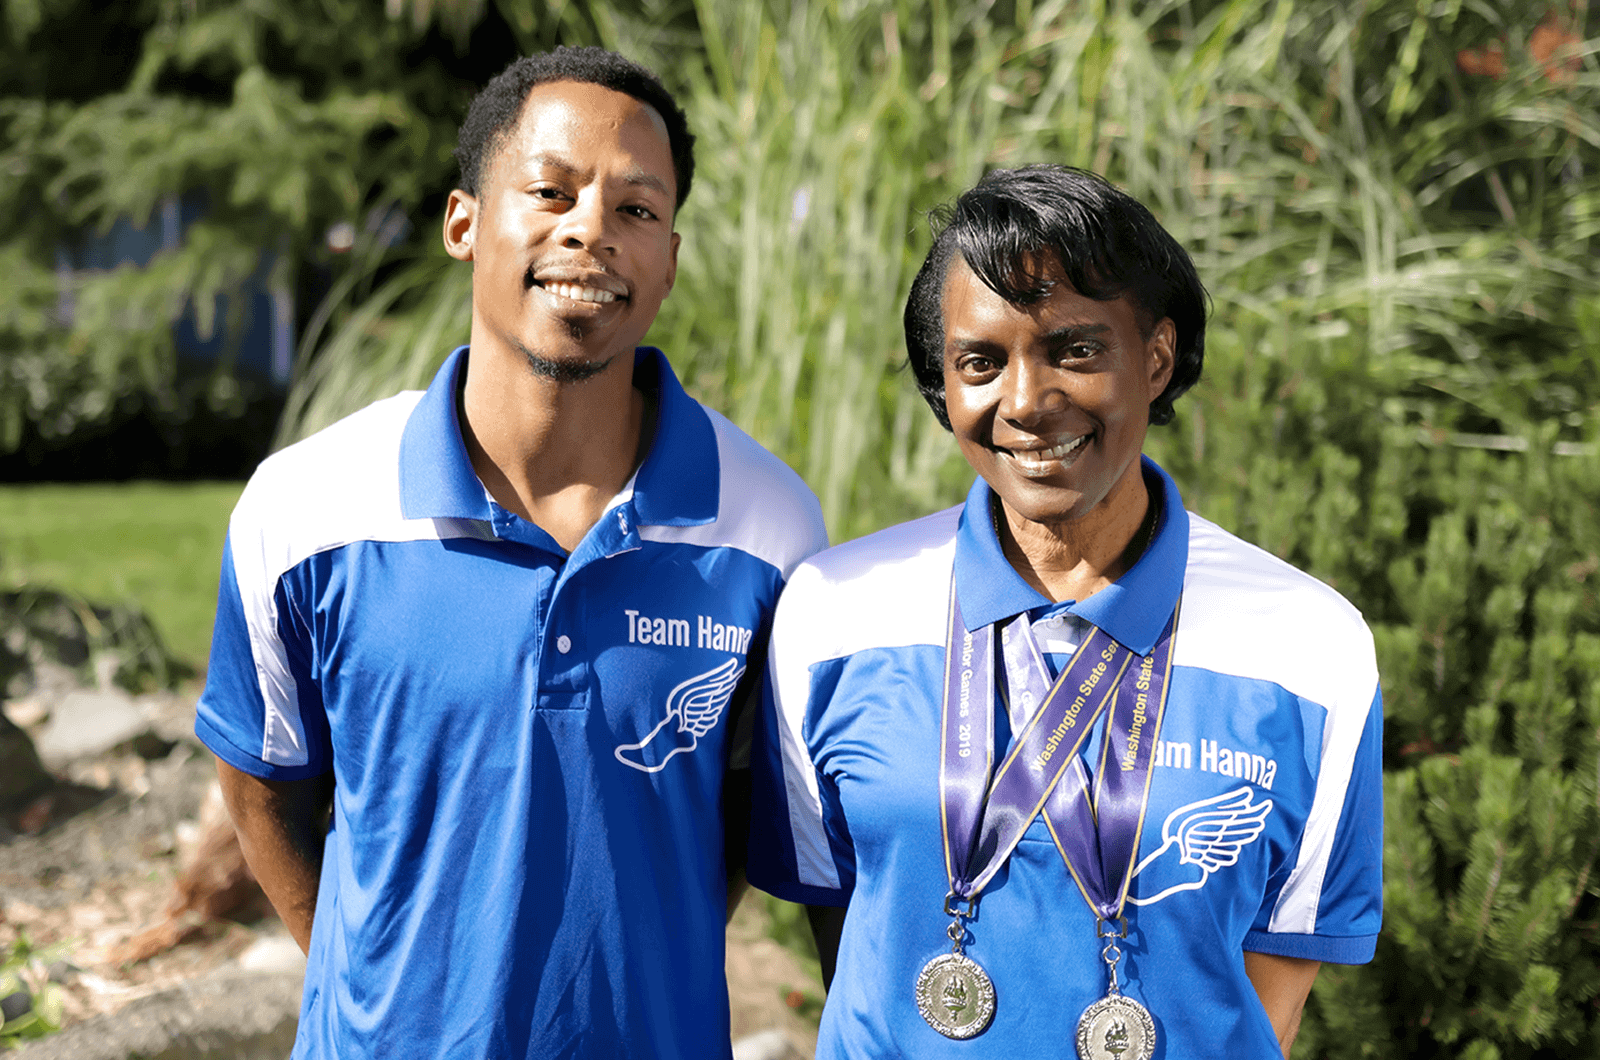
(156, 545)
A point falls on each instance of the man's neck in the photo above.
(1075, 559)
(553, 452)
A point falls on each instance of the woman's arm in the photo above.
(1283, 984)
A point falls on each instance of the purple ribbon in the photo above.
(1043, 772)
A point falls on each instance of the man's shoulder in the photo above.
(1248, 612)
(339, 484)
(763, 507)
(885, 590)
(352, 447)
(753, 475)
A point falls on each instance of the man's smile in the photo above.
(577, 285)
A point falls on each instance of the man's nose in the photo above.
(587, 225)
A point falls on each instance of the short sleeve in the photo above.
(1331, 909)
(800, 848)
(260, 712)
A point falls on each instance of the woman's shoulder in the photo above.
(888, 588)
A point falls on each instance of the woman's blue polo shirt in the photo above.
(1264, 826)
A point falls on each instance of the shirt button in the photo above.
(563, 644)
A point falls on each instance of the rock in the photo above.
(15, 1006)
(274, 953)
(241, 1017)
(88, 723)
(26, 713)
(767, 1045)
(22, 775)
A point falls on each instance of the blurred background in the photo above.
(219, 232)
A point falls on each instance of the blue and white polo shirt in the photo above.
(528, 746)
(1264, 826)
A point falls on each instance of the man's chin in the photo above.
(563, 369)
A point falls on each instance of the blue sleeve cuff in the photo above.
(799, 893)
(245, 762)
(1354, 949)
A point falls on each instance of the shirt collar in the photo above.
(436, 476)
(1134, 609)
(679, 483)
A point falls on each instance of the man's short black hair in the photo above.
(1106, 242)
(494, 111)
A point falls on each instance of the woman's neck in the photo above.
(1074, 559)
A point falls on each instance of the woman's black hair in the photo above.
(494, 110)
(1107, 244)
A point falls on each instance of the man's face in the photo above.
(1050, 402)
(571, 235)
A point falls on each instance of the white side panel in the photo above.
(1247, 613)
(340, 486)
(833, 607)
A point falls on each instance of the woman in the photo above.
(1066, 770)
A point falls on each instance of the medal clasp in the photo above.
(953, 902)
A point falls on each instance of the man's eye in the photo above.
(639, 211)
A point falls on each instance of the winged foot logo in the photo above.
(1208, 835)
(693, 709)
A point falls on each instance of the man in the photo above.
(1067, 814)
(489, 640)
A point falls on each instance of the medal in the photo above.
(983, 819)
(1116, 1028)
(955, 995)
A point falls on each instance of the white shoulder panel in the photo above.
(763, 508)
(337, 487)
(1249, 614)
(884, 590)
(887, 589)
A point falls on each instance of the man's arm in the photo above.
(1283, 984)
(827, 923)
(282, 826)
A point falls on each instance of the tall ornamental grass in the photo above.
(1394, 205)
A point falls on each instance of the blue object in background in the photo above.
(263, 350)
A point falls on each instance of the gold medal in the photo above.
(955, 995)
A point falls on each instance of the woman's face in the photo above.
(1050, 401)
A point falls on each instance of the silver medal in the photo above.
(1116, 1028)
(955, 995)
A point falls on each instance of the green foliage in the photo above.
(24, 970)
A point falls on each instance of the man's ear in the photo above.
(672, 267)
(460, 225)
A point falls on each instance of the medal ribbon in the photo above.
(1043, 771)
